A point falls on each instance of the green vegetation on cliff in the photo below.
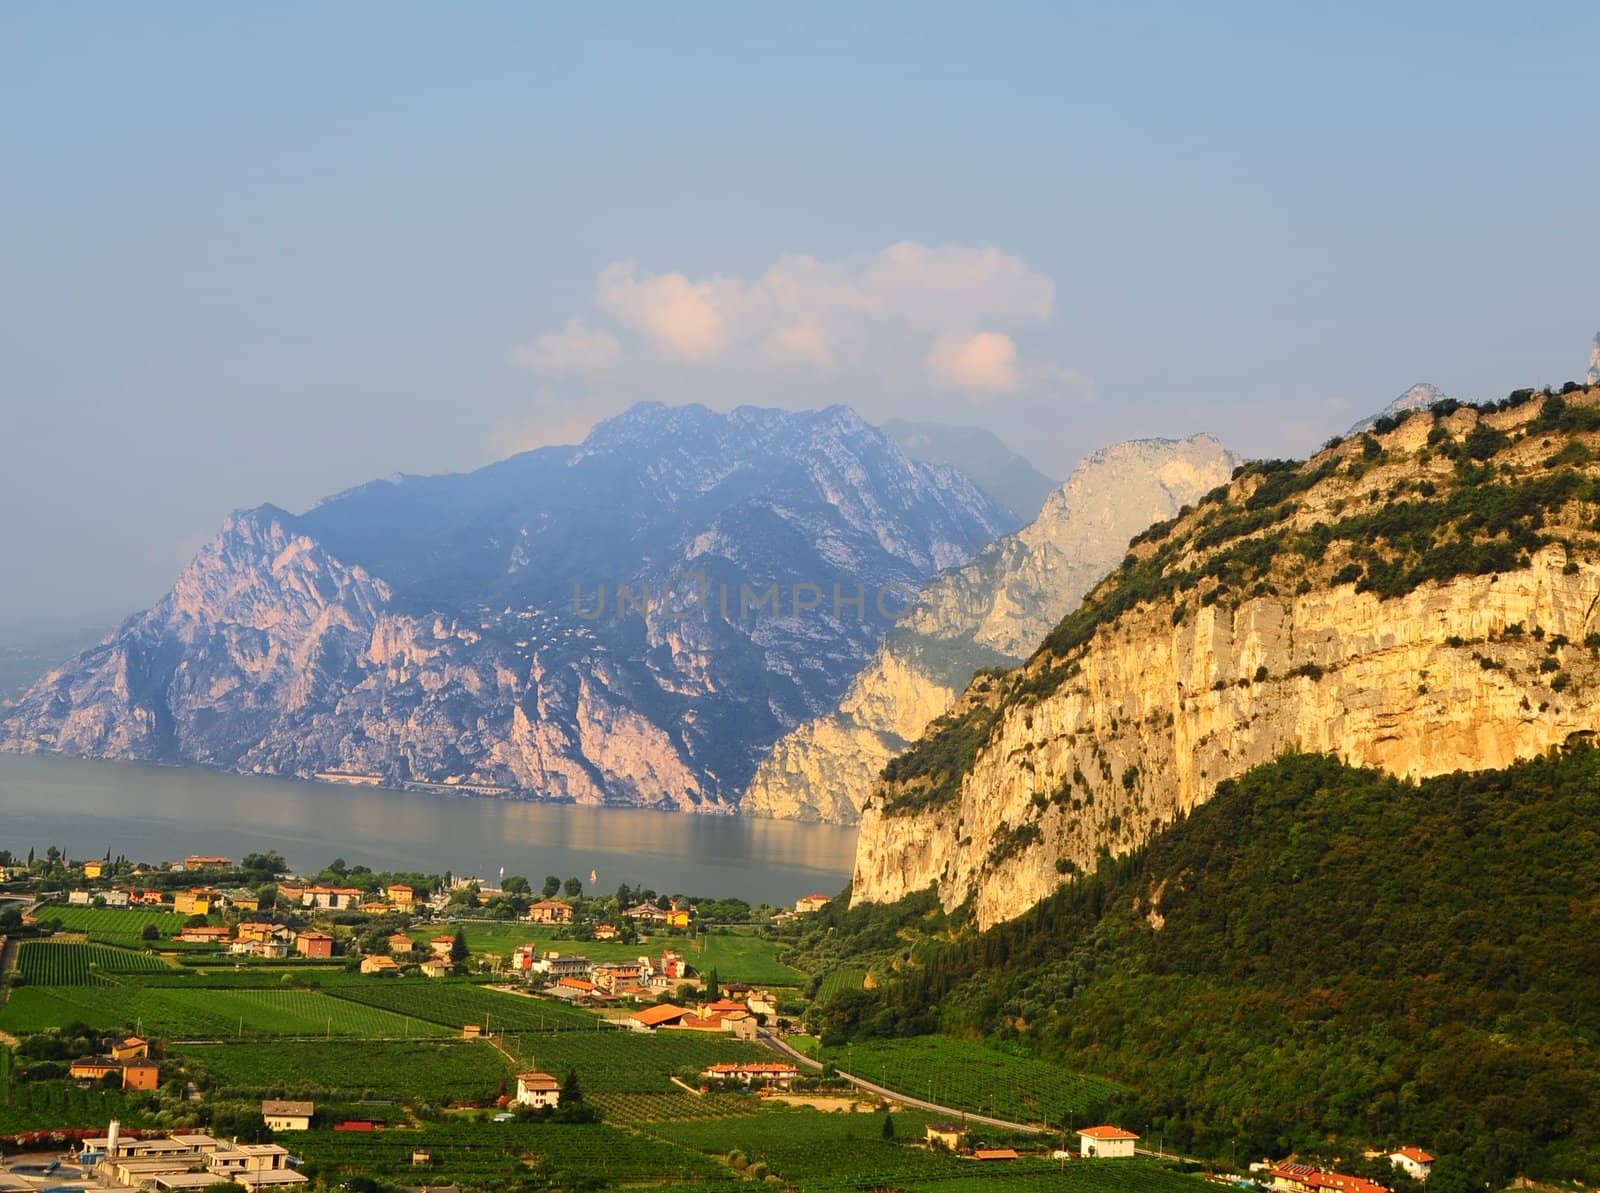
(1317, 950)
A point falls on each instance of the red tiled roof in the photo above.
(1107, 1133)
(1415, 1154)
(655, 1016)
(994, 1153)
(1338, 1182)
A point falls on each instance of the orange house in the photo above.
(141, 1073)
(314, 944)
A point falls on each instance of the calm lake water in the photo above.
(156, 813)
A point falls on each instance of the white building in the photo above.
(538, 1090)
(1106, 1143)
(78, 898)
(1413, 1161)
(288, 1116)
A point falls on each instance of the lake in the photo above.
(157, 813)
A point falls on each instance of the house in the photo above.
(254, 1165)
(538, 1090)
(288, 1116)
(93, 869)
(148, 899)
(558, 966)
(606, 932)
(198, 901)
(402, 896)
(645, 913)
(994, 1153)
(77, 898)
(204, 934)
(806, 904)
(523, 957)
(115, 898)
(1289, 1177)
(1106, 1143)
(1413, 1161)
(376, 963)
(572, 989)
(130, 1048)
(141, 1073)
(399, 942)
(93, 1068)
(550, 911)
(950, 1136)
(472, 1031)
(442, 946)
(436, 969)
(331, 898)
(314, 944)
(243, 900)
(776, 1073)
(203, 861)
(257, 931)
(677, 917)
(616, 977)
(651, 1018)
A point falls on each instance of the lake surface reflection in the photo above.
(157, 813)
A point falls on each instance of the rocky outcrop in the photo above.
(1422, 604)
(1419, 397)
(633, 620)
(990, 612)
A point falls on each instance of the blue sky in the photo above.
(264, 253)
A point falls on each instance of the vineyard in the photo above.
(206, 1013)
(28, 1106)
(440, 1072)
(676, 1106)
(824, 1153)
(486, 1154)
(70, 963)
(119, 925)
(625, 1062)
(455, 1004)
(972, 1077)
(840, 980)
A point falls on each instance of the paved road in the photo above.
(778, 1045)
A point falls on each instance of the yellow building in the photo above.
(192, 902)
(93, 869)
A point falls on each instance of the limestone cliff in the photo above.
(990, 612)
(1422, 599)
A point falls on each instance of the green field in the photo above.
(72, 963)
(456, 1004)
(973, 1077)
(736, 956)
(823, 1152)
(840, 980)
(442, 1071)
(493, 1155)
(120, 925)
(206, 1013)
(628, 1062)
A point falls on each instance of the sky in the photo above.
(264, 253)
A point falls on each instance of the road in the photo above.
(895, 1096)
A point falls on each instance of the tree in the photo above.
(552, 886)
(888, 1125)
(713, 987)
(573, 888)
(149, 932)
(571, 1091)
(458, 948)
(1449, 1175)
(516, 885)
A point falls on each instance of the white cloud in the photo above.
(576, 348)
(890, 320)
(985, 363)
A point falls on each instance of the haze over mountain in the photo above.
(1418, 397)
(632, 620)
(1000, 472)
(990, 612)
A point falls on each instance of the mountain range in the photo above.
(632, 620)
(989, 612)
(979, 453)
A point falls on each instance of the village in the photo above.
(539, 964)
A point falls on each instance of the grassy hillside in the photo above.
(1317, 952)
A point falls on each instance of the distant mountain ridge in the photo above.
(1418, 397)
(1009, 478)
(989, 612)
(632, 620)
